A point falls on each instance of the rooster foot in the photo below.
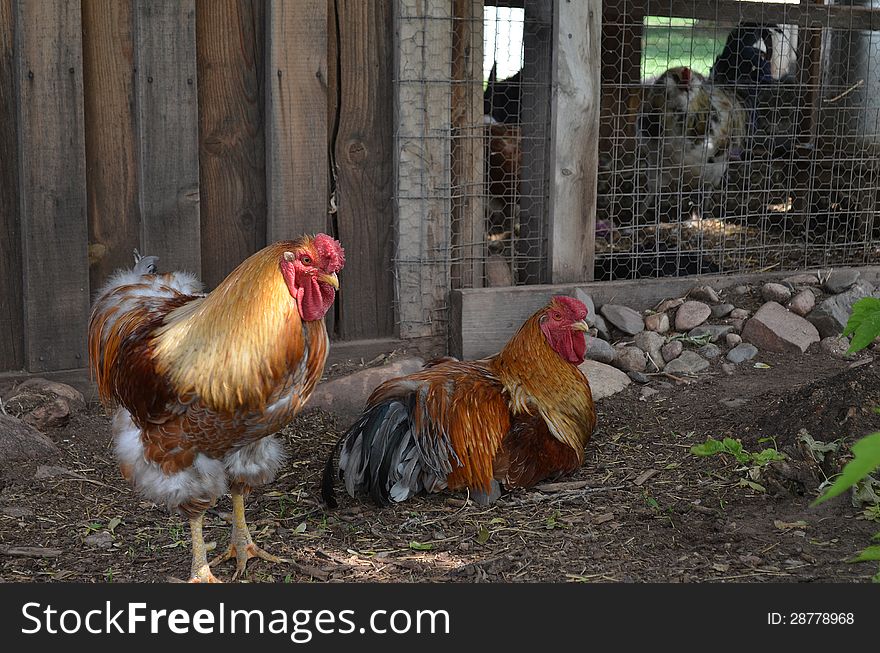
(203, 575)
(243, 552)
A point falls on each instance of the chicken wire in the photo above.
(473, 102)
(737, 137)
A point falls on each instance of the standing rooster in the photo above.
(517, 418)
(201, 381)
(688, 130)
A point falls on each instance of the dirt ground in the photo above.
(642, 508)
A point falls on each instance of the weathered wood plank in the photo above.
(363, 152)
(52, 183)
(11, 305)
(484, 319)
(530, 246)
(575, 108)
(167, 116)
(468, 147)
(111, 137)
(296, 118)
(232, 157)
(422, 142)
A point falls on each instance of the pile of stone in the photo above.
(680, 336)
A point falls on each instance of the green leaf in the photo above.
(301, 528)
(735, 449)
(864, 323)
(113, 524)
(867, 458)
(757, 487)
(420, 546)
(708, 448)
(817, 448)
(876, 537)
(767, 456)
(871, 553)
(483, 535)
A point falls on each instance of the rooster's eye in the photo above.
(557, 315)
(306, 259)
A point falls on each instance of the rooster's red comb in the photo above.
(574, 308)
(330, 251)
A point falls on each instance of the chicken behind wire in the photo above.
(512, 420)
(688, 130)
(202, 381)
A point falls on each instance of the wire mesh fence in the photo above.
(734, 141)
(735, 136)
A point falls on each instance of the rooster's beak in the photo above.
(580, 326)
(330, 279)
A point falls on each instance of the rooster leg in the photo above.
(241, 545)
(201, 572)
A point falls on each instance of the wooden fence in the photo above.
(195, 130)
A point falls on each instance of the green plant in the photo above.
(753, 462)
(864, 325)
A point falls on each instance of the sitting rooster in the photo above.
(515, 419)
(202, 381)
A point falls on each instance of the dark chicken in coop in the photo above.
(202, 382)
(512, 420)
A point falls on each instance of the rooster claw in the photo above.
(242, 555)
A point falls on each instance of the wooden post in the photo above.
(296, 118)
(167, 116)
(52, 183)
(11, 307)
(232, 156)
(531, 265)
(422, 117)
(577, 34)
(111, 138)
(363, 152)
(468, 148)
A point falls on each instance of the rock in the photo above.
(657, 322)
(837, 347)
(587, 299)
(638, 377)
(736, 402)
(691, 314)
(669, 304)
(624, 318)
(741, 353)
(774, 328)
(20, 442)
(17, 512)
(630, 359)
(728, 368)
(600, 350)
(775, 292)
(604, 379)
(739, 314)
(803, 302)
(498, 272)
(732, 339)
(709, 351)
(741, 290)
(688, 363)
(50, 471)
(601, 327)
(714, 331)
(43, 404)
(704, 294)
(804, 279)
(348, 394)
(671, 350)
(831, 315)
(840, 280)
(646, 393)
(722, 310)
(102, 540)
(651, 343)
(737, 325)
